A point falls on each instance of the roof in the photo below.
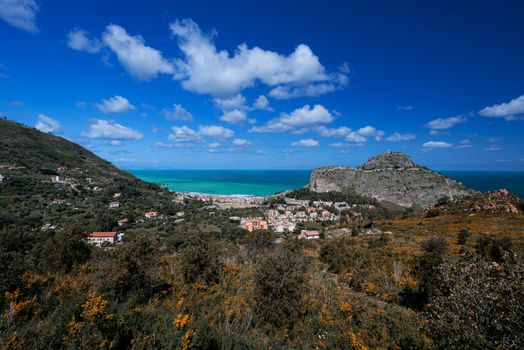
(311, 233)
(102, 234)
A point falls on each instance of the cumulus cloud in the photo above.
(183, 134)
(20, 14)
(355, 137)
(306, 143)
(396, 137)
(370, 131)
(436, 144)
(141, 61)
(330, 132)
(445, 123)
(115, 104)
(228, 103)
(177, 113)
(217, 131)
(105, 129)
(79, 40)
(242, 142)
(262, 103)
(46, 124)
(304, 117)
(507, 110)
(206, 70)
(233, 117)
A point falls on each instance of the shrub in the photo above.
(462, 237)
(280, 282)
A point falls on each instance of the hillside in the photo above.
(391, 177)
(46, 179)
(40, 154)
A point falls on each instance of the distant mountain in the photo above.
(391, 177)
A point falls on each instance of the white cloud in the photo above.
(396, 137)
(217, 131)
(327, 132)
(405, 108)
(234, 102)
(213, 145)
(306, 143)
(46, 124)
(438, 132)
(233, 117)
(177, 113)
(338, 144)
(371, 131)
(140, 60)
(493, 148)
(355, 137)
(436, 144)
(465, 144)
(262, 103)
(20, 14)
(79, 40)
(445, 123)
(304, 117)
(206, 70)
(104, 129)
(242, 142)
(183, 134)
(115, 104)
(505, 110)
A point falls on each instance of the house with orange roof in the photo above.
(99, 238)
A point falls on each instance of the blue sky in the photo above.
(270, 85)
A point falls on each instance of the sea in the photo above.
(267, 182)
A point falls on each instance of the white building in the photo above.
(99, 238)
(309, 235)
(114, 205)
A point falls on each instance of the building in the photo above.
(117, 195)
(151, 214)
(255, 225)
(58, 179)
(122, 222)
(99, 238)
(309, 235)
(114, 205)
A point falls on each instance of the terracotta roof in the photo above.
(102, 234)
(311, 233)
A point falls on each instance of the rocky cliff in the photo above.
(391, 177)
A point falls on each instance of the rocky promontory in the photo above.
(391, 177)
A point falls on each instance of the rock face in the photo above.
(391, 177)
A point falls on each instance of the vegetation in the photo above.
(444, 282)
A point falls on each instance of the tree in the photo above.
(200, 260)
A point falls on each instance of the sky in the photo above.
(270, 84)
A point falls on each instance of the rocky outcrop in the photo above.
(391, 177)
(500, 201)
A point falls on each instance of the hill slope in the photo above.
(391, 177)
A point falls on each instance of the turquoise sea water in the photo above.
(266, 182)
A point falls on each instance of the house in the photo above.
(2, 177)
(57, 179)
(255, 225)
(151, 214)
(99, 238)
(326, 215)
(122, 222)
(48, 227)
(117, 195)
(114, 205)
(180, 214)
(305, 234)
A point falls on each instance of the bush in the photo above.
(280, 283)
(493, 249)
(479, 306)
(336, 253)
(462, 237)
(200, 260)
